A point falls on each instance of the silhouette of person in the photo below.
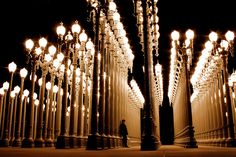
(123, 133)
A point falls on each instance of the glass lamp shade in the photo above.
(61, 30)
(76, 28)
(29, 44)
(83, 37)
(43, 42)
(52, 50)
(6, 85)
(229, 35)
(23, 73)
(12, 67)
(175, 35)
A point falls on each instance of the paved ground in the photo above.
(163, 151)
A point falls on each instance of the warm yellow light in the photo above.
(60, 57)
(36, 102)
(2, 91)
(224, 44)
(12, 94)
(208, 45)
(56, 63)
(47, 57)
(55, 89)
(52, 50)
(213, 36)
(175, 35)
(43, 42)
(76, 27)
(189, 34)
(38, 51)
(89, 44)
(29, 44)
(6, 85)
(26, 92)
(61, 30)
(48, 85)
(229, 35)
(23, 73)
(83, 36)
(12, 67)
(69, 37)
(112, 6)
(35, 96)
(40, 82)
(17, 89)
(116, 16)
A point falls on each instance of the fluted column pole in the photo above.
(93, 142)
(4, 142)
(39, 141)
(231, 141)
(17, 140)
(148, 140)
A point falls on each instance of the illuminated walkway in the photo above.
(163, 151)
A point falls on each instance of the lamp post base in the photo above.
(17, 143)
(94, 142)
(28, 143)
(230, 142)
(62, 142)
(39, 142)
(4, 143)
(149, 143)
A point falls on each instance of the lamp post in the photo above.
(12, 100)
(5, 139)
(223, 49)
(83, 38)
(44, 64)
(53, 70)
(185, 53)
(15, 105)
(5, 88)
(62, 139)
(73, 130)
(88, 64)
(36, 103)
(1, 106)
(26, 94)
(28, 141)
(17, 140)
(148, 141)
(94, 139)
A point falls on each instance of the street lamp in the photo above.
(17, 140)
(2, 93)
(15, 105)
(185, 53)
(33, 56)
(5, 139)
(223, 49)
(24, 99)
(5, 88)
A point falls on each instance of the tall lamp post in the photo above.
(44, 64)
(223, 49)
(148, 140)
(5, 88)
(5, 139)
(28, 141)
(185, 53)
(17, 140)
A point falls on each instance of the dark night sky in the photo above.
(38, 18)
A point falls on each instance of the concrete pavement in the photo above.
(163, 151)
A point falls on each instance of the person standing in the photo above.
(123, 133)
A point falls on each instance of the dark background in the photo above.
(23, 19)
